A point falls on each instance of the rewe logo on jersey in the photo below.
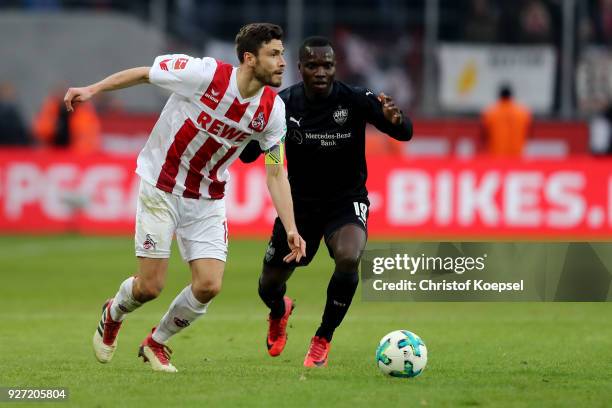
(220, 129)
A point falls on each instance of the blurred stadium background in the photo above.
(442, 60)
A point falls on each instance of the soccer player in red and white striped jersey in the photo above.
(215, 109)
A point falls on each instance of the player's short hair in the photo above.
(316, 41)
(252, 37)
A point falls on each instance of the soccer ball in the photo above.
(401, 354)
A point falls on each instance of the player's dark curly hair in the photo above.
(316, 41)
(252, 37)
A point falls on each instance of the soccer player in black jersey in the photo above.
(325, 148)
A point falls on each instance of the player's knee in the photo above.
(347, 259)
(147, 290)
(207, 289)
(274, 277)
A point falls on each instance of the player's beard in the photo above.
(266, 78)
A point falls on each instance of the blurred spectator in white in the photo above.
(381, 68)
(535, 23)
(600, 132)
(359, 61)
(481, 22)
(393, 80)
(13, 131)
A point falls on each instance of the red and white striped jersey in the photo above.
(204, 126)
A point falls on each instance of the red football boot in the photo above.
(317, 352)
(277, 330)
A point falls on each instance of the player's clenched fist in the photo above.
(75, 95)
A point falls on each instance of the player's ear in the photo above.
(250, 59)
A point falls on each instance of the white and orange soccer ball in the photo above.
(401, 353)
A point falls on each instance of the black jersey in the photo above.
(325, 142)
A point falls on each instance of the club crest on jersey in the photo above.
(258, 122)
(149, 242)
(341, 115)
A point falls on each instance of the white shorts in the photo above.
(200, 225)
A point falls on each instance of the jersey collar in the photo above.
(236, 91)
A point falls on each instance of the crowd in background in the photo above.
(520, 21)
(52, 127)
(384, 53)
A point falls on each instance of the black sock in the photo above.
(272, 295)
(340, 292)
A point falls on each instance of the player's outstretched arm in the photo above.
(118, 80)
(382, 112)
(280, 191)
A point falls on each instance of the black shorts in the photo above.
(316, 221)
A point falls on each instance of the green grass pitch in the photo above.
(480, 354)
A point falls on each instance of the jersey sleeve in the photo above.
(372, 111)
(275, 131)
(180, 73)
